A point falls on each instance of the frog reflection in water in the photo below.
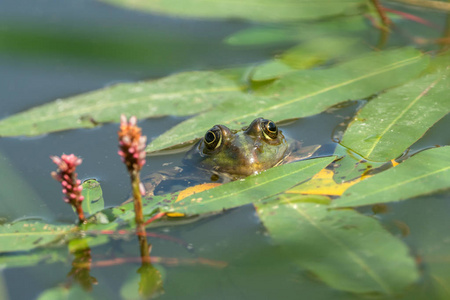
(226, 154)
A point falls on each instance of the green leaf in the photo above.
(350, 165)
(390, 123)
(255, 10)
(149, 206)
(352, 26)
(345, 249)
(251, 189)
(181, 94)
(32, 259)
(309, 54)
(27, 235)
(93, 196)
(271, 69)
(424, 173)
(303, 93)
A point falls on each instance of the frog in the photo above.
(225, 154)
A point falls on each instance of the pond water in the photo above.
(51, 49)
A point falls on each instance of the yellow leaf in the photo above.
(196, 189)
(394, 163)
(323, 184)
(190, 191)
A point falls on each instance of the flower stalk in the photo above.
(132, 152)
(71, 185)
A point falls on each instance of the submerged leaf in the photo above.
(392, 122)
(251, 189)
(181, 94)
(255, 10)
(424, 173)
(345, 249)
(303, 93)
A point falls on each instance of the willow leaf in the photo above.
(345, 249)
(255, 10)
(182, 94)
(23, 236)
(252, 188)
(424, 173)
(303, 93)
(392, 122)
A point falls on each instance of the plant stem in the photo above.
(427, 3)
(384, 18)
(137, 198)
(80, 213)
(385, 21)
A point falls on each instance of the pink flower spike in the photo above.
(67, 176)
(131, 144)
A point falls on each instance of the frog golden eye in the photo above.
(213, 138)
(270, 129)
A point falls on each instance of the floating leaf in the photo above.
(307, 55)
(93, 196)
(32, 259)
(334, 27)
(345, 249)
(26, 235)
(256, 10)
(322, 184)
(180, 94)
(252, 188)
(350, 165)
(271, 70)
(303, 93)
(390, 123)
(424, 173)
(196, 189)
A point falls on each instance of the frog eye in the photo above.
(213, 138)
(270, 129)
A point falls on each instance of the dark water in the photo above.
(54, 49)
